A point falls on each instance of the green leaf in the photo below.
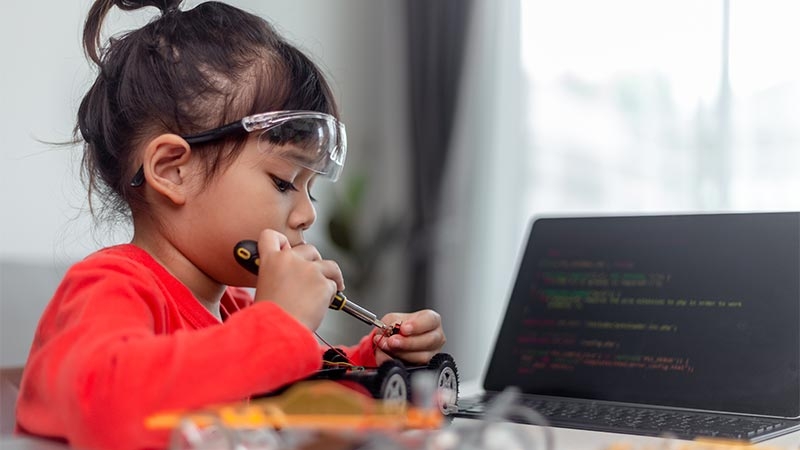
(355, 192)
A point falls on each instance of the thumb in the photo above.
(272, 241)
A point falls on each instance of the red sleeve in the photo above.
(363, 354)
(105, 357)
(237, 299)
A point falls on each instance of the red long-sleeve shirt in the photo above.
(123, 339)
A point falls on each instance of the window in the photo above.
(628, 107)
(661, 106)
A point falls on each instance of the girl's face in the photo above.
(257, 191)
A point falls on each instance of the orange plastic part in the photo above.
(319, 405)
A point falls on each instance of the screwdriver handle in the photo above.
(246, 254)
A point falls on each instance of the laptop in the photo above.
(684, 326)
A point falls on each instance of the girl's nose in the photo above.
(303, 214)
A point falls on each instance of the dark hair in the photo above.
(184, 72)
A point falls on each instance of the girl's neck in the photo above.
(207, 291)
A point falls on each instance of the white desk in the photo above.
(570, 439)
(28, 443)
(564, 439)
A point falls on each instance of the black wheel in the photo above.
(444, 366)
(333, 356)
(391, 383)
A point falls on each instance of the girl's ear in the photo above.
(166, 166)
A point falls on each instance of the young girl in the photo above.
(208, 128)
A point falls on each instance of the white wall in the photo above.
(45, 74)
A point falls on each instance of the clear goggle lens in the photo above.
(315, 141)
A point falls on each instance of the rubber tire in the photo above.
(391, 383)
(444, 366)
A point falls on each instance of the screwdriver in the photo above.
(246, 254)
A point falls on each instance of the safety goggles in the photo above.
(312, 140)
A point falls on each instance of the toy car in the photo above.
(325, 401)
(391, 381)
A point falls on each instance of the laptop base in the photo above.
(634, 419)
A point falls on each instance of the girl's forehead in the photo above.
(284, 160)
(302, 156)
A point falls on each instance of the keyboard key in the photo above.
(636, 420)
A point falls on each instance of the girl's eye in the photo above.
(283, 185)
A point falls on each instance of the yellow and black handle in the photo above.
(246, 253)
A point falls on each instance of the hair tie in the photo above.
(171, 10)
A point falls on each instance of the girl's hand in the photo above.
(421, 336)
(296, 278)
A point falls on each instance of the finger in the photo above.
(431, 341)
(421, 322)
(307, 252)
(332, 272)
(393, 319)
(412, 358)
(382, 353)
(272, 241)
(333, 289)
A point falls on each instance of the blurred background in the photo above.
(465, 119)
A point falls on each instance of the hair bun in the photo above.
(164, 5)
(98, 11)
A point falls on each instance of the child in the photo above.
(207, 128)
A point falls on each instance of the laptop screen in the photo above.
(690, 311)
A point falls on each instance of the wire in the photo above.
(339, 352)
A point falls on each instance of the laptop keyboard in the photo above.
(640, 420)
